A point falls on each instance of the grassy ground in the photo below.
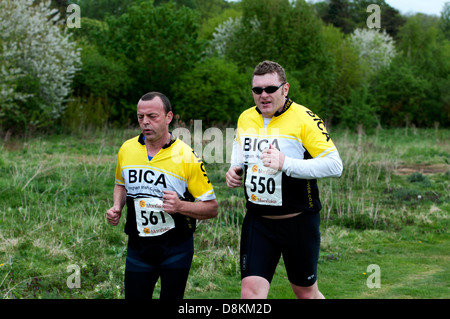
(390, 208)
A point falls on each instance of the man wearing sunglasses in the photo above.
(280, 149)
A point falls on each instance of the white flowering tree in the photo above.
(376, 49)
(37, 64)
(228, 31)
(222, 36)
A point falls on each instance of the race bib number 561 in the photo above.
(151, 219)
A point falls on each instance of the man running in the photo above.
(282, 147)
(165, 187)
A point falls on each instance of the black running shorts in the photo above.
(297, 239)
(145, 264)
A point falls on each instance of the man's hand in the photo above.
(273, 158)
(171, 202)
(234, 177)
(113, 215)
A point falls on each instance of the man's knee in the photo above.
(254, 287)
(311, 292)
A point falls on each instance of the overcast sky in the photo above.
(414, 6)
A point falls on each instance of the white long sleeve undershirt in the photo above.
(329, 165)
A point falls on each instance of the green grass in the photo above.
(390, 208)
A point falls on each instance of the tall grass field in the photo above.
(384, 223)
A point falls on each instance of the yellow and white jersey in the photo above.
(310, 153)
(175, 167)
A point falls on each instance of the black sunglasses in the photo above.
(268, 89)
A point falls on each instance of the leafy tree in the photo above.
(417, 37)
(155, 44)
(445, 20)
(212, 8)
(209, 25)
(100, 9)
(428, 53)
(37, 61)
(391, 19)
(60, 5)
(372, 50)
(288, 32)
(285, 31)
(188, 3)
(223, 36)
(339, 15)
(351, 14)
(400, 94)
(103, 79)
(214, 91)
(349, 83)
(359, 110)
(376, 49)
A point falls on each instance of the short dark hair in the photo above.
(266, 67)
(166, 102)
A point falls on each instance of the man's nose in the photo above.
(264, 94)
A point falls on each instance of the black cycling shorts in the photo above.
(145, 264)
(297, 239)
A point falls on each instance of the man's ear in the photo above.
(286, 89)
(169, 117)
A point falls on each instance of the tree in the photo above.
(428, 53)
(401, 92)
(211, 22)
(445, 20)
(348, 93)
(214, 91)
(339, 15)
(414, 88)
(359, 110)
(102, 85)
(350, 15)
(223, 35)
(100, 9)
(288, 32)
(391, 19)
(376, 49)
(155, 44)
(38, 62)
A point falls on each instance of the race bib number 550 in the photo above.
(151, 219)
(263, 185)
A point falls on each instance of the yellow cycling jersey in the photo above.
(175, 167)
(300, 135)
(296, 128)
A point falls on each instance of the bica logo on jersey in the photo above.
(257, 144)
(147, 176)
